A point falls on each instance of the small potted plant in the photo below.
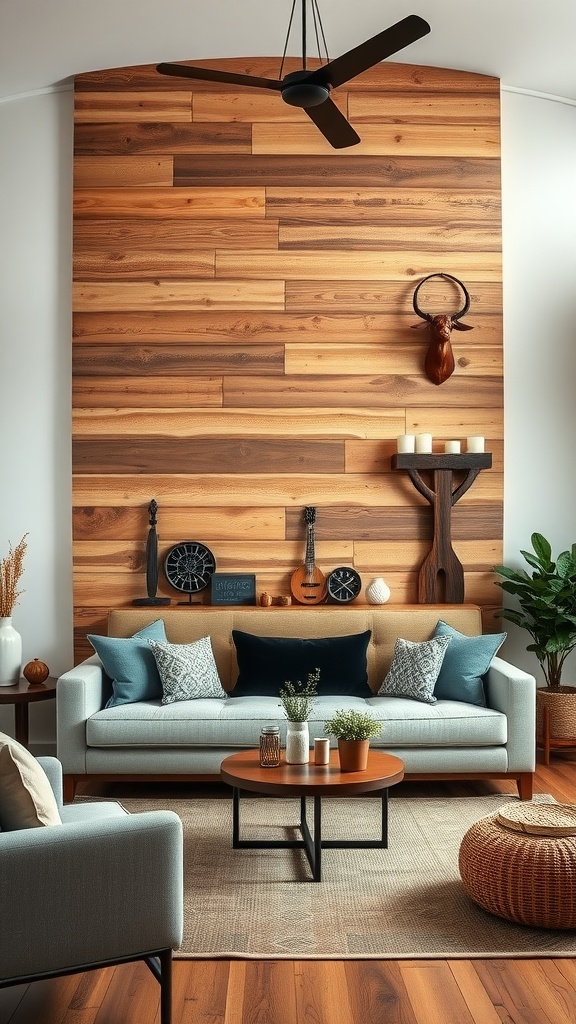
(353, 730)
(11, 569)
(547, 599)
(297, 700)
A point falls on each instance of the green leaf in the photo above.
(542, 548)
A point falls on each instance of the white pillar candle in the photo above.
(405, 444)
(474, 444)
(424, 444)
(452, 447)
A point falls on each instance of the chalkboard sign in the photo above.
(233, 588)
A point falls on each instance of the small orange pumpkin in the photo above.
(36, 671)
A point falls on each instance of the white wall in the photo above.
(539, 175)
(539, 231)
(35, 375)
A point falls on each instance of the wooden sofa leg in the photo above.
(525, 783)
(69, 788)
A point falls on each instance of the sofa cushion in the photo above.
(26, 796)
(130, 664)
(230, 724)
(414, 669)
(187, 671)
(466, 662)
(265, 663)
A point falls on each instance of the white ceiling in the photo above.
(528, 44)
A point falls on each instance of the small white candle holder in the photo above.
(405, 444)
(475, 444)
(423, 444)
(452, 447)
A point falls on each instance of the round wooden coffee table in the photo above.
(242, 771)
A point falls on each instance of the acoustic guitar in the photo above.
(308, 583)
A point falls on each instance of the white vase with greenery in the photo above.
(297, 700)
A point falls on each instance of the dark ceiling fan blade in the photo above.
(333, 125)
(367, 54)
(210, 75)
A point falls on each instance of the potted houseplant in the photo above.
(547, 599)
(353, 730)
(297, 700)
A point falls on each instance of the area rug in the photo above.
(403, 902)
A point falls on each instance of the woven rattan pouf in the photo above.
(521, 864)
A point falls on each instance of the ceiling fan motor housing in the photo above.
(298, 92)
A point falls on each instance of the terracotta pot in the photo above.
(561, 704)
(353, 755)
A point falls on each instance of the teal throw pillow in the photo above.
(131, 665)
(465, 664)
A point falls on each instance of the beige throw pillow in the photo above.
(26, 797)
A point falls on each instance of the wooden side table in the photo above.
(21, 695)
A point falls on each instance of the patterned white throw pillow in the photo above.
(187, 671)
(414, 670)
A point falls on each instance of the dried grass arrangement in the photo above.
(11, 569)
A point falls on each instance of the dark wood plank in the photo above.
(393, 524)
(206, 455)
(128, 139)
(365, 172)
(174, 360)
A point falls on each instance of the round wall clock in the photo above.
(344, 584)
(189, 566)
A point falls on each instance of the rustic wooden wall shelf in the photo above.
(441, 576)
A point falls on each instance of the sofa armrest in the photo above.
(53, 769)
(79, 694)
(513, 692)
(89, 891)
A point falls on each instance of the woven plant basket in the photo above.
(514, 872)
(562, 706)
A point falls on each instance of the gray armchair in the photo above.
(103, 888)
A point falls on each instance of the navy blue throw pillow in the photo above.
(265, 663)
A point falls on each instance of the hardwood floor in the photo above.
(324, 991)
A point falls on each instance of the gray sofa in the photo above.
(189, 739)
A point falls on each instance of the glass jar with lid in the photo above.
(270, 746)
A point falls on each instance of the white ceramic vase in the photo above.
(10, 652)
(378, 592)
(297, 743)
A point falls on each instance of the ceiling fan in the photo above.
(311, 90)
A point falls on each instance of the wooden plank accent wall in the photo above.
(242, 325)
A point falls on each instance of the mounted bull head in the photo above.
(439, 363)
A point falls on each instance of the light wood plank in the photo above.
(172, 233)
(397, 555)
(226, 294)
(115, 171)
(108, 557)
(226, 523)
(252, 107)
(123, 263)
(477, 360)
(394, 236)
(392, 205)
(145, 106)
(381, 391)
(373, 297)
(173, 422)
(151, 204)
(452, 423)
(363, 266)
(433, 107)
(374, 456)
(383, 140)
(117, 392)
(434, 995)
(124, 490)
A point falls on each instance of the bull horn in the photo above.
(428, 316)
